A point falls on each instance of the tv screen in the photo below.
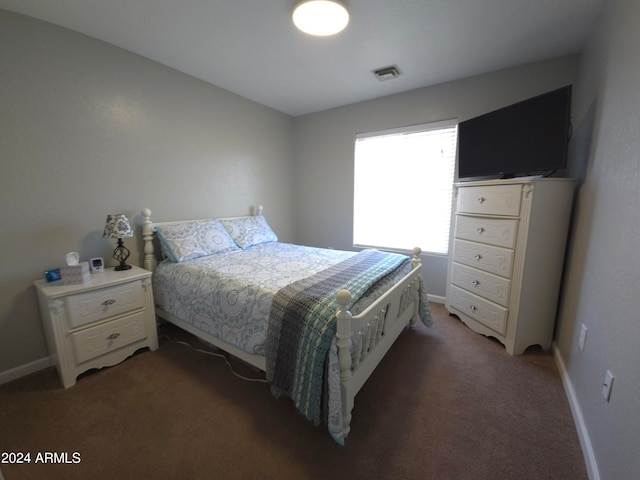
(527, 138)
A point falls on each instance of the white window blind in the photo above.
(403, 185)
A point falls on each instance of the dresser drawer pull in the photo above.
(478, 257)
(106, 303)
(481, 199)
(473, 308)
(475, 283)
(480, 230)
(113, 336)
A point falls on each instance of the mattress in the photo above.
(229, 295)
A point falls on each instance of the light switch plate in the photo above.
(582, 340)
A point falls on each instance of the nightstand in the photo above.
(99, 323)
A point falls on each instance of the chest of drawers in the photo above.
(99, 323)
(507, 256)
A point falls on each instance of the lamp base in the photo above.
(121, 253)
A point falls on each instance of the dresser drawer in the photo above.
(496, 260)
(486, 312)
(494, 231)
(490, 200)
(95, 341)
(89, 307)
(481, 283)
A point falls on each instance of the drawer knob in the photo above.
(475, 283)
(478, 257)
(113, 336)
(473, 308)
(480, 230)
(106, 303)
(481, 199)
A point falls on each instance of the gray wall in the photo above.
(87, 129)
(603, 266)
(324, 144)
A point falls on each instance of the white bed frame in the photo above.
(377, 327)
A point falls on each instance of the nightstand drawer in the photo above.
(496, 260)
(490, 200)
(486, 312)
(95, 341)
(89, 307)
(493, 231)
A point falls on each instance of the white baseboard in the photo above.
(583, 434)
(436, 298)
(24, 370)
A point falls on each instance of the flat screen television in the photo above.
(527, 138)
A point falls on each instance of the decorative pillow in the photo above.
(248, 231)
(186, 241)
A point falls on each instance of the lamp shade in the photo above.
(117, 226)
(320, 17)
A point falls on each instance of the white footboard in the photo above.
(363, 340)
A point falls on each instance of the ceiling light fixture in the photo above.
(320, 17)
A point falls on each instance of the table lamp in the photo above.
(118, 226)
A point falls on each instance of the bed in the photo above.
(316, 321)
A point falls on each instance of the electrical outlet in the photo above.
(582, 340)
(607, 385)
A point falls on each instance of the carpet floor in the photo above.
(444, 404)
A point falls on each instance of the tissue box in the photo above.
(74, 274)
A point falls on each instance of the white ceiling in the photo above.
(251, 47)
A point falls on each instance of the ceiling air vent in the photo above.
(387, 73)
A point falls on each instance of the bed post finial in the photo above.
(416, 257)
(259, 209)
(147, 236)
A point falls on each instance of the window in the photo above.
(403, 184)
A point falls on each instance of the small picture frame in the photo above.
(97, 265)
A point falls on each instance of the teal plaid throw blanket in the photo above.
(302, 323)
